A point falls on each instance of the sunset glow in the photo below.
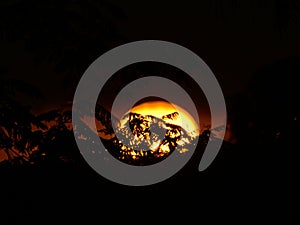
(160, 109)
(146, 145)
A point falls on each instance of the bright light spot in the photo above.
(161, 109)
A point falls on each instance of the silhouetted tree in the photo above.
(67, 34)
(18, 138)
(58, 142)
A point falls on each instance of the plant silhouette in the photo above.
(66, 34)
(18, 139)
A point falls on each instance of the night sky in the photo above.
(234, 39)
(253, 49)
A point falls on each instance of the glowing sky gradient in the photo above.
(162, 108)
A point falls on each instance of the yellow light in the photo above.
(169, 114)
(160, 109)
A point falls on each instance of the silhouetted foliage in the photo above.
(27, 138)
(67, 34)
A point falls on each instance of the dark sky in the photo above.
(234, 40)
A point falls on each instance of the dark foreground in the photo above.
(240, 187)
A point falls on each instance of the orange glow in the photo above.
(160, 109)
(181, 131)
